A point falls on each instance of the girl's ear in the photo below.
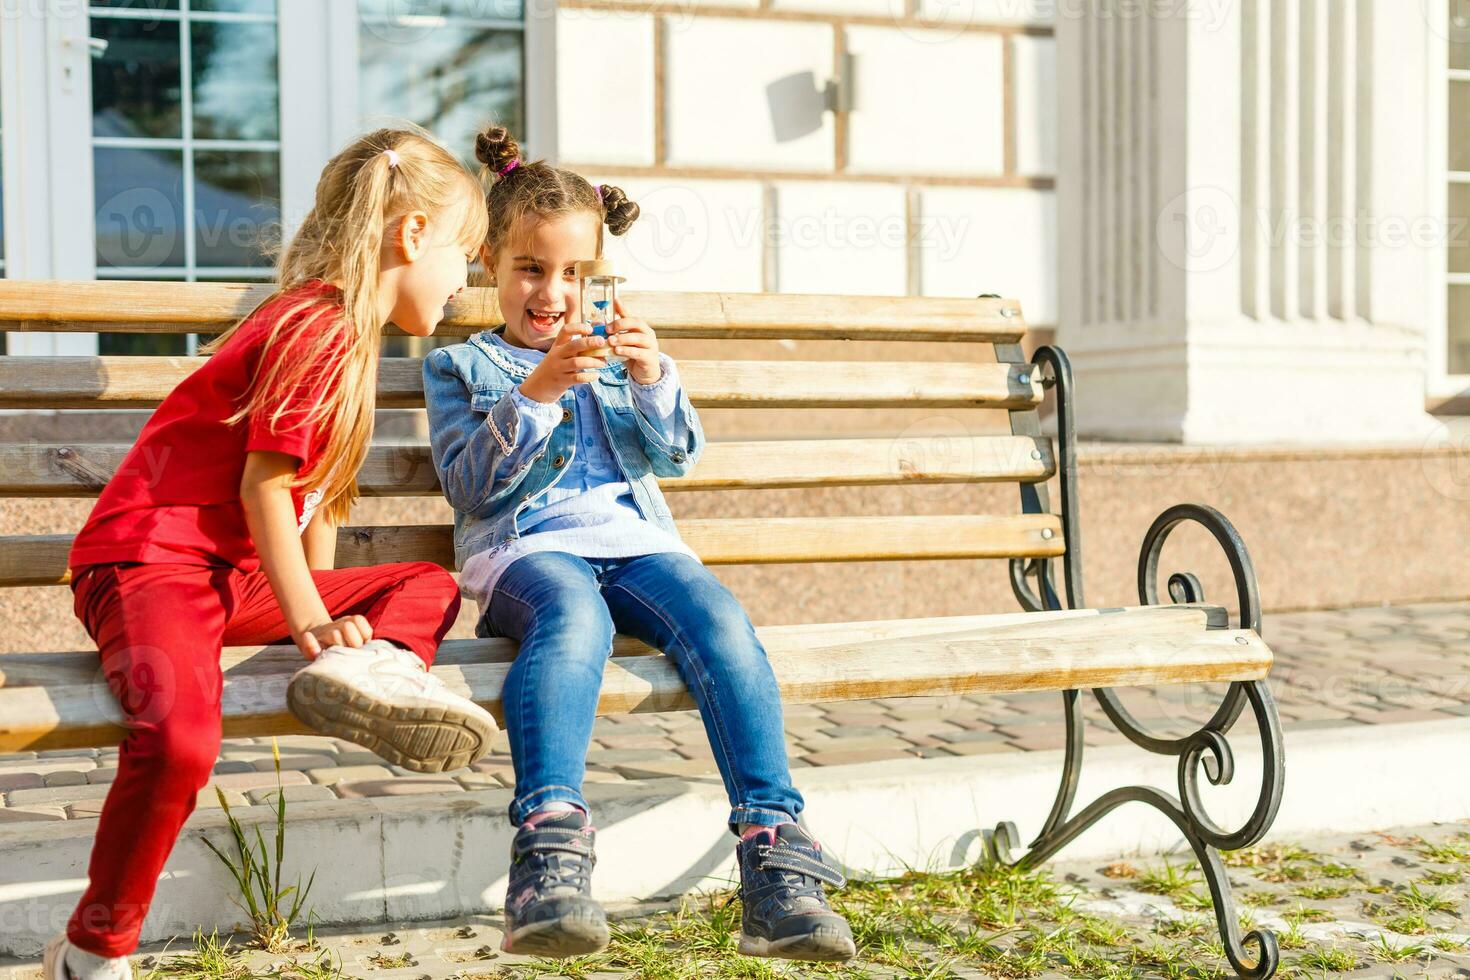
(412, 236)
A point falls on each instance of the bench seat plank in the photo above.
(118, 382)
(82, 469)
(40, 559)
(828, 662)
(173, 308)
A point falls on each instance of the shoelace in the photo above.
(559, 857)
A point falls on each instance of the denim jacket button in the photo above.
(558, 462)
(678, 456)
(566, 415)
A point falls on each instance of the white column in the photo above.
(1246, 232)
(45, 68)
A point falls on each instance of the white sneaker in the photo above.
(383, 698)
(54, 965)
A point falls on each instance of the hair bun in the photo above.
(496, 148)
(617, 210)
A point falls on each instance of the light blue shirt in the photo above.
(590, 511)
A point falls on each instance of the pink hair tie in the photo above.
(393, 158)
(509, 167)
(599, 192)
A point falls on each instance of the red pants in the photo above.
(159, 630)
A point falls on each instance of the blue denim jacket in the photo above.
(473, 425)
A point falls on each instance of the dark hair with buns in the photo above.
(535, 189)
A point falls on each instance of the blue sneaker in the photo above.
(783, 910)
(549, 910)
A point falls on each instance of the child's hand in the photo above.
(634, 339)
(349, 631)
(565, 364)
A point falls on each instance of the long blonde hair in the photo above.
(362, 192)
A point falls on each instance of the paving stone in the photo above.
(227, 766)
(668, 769)
(988, 735)
(208, 799)
(60, 795)
(892, 741)
(403, 786)
(614, 757)
(857, 731)
(1039, 741)
(31, 814)
(101, 776)
(929, 726)
(90, 753)
(696, 751)
(345, 774)
(854, 756)
(980, 748)
(296, 763)
(486, 780)
(21, 780)
(596, 775)
(636, 742)
(47, 766)
(308, 793)
(66, 777)
(243, 781)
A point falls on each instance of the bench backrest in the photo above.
(734, 352)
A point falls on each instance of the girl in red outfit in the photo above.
(231, 541)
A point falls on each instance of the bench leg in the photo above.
(1255, 954)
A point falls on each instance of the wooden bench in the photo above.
(58, 700)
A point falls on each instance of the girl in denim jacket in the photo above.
(550, 457)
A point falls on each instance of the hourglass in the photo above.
(599, 301)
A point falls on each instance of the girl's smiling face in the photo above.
(536, 276)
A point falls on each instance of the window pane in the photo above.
(452, 79)
(140, 208)
(1457, 230)
(1459, 330)
(236, 6)
(1459, 126)
(1459, 22)
(135, 84)
(407, 11)
(237, 202)
(155, 344)
(139, 4)
(235, 87)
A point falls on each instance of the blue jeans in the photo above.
(564, 610)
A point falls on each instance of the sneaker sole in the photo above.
(422, 737)
(574, 934)
(51, 961)
(823, 944)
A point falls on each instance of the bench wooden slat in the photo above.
(82, 469)
(40, 559)
(80, 666)
(947, 656)
(151, 307)
(143, 382)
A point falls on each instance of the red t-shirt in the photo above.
(176, 497)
